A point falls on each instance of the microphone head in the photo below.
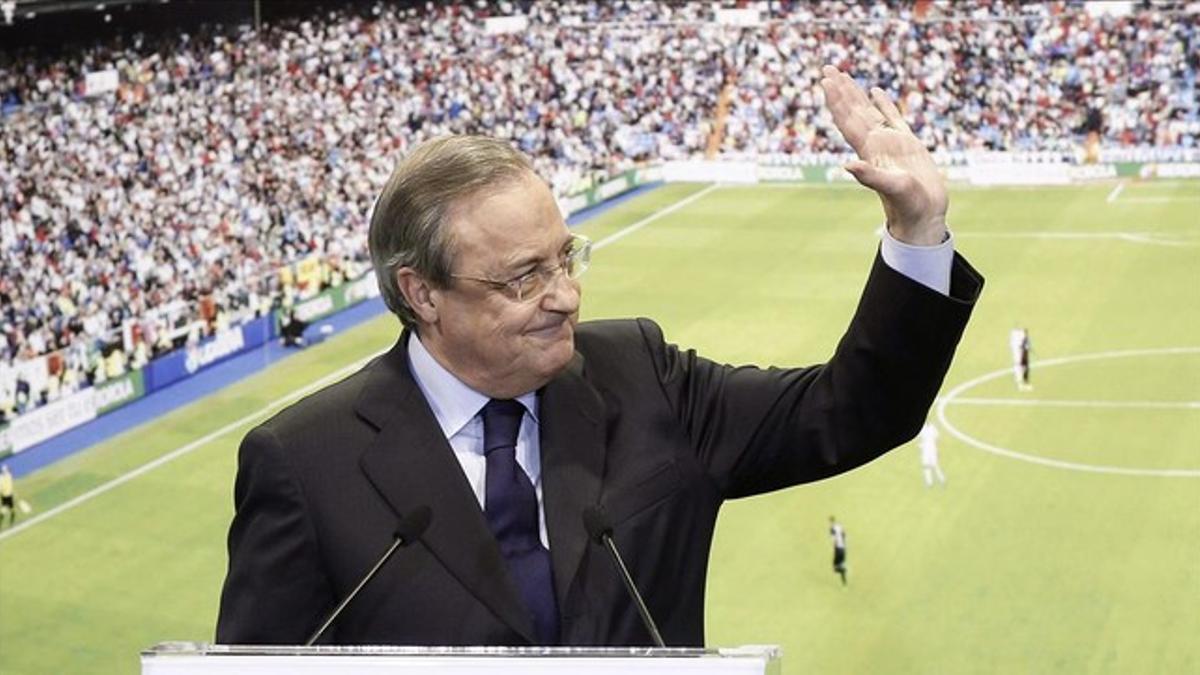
(413, 524)
(595, 521)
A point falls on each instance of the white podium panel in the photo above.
(189, 658)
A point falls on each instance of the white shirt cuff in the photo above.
(927, 265)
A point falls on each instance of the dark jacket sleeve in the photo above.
(757, 430)
(274, 586)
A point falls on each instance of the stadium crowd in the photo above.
(137, 221)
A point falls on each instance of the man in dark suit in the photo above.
(508, 420)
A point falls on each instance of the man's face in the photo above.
(495, 343)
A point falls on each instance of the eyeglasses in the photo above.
(532, 284)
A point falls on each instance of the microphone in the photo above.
(599, 529)
(408, 530)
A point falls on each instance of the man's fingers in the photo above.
(859, 169)
(880, 179)
(859, 104)
(853, 113)
(843, 119)
(835, 99)
(838, 98)
(891, 113)
(857, 95)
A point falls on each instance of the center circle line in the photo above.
(957, 391)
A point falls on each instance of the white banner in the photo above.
(362, 289)
(1180, 170)
(1020, 174)
(100, 82)
(225, 343)
(572, 204)
(611, 189)
(319, 306)
(1086, 172)
(33, 427)
(780, 174)
(498, 25)
(703, 171)
(738, 17)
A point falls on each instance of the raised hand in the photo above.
(892, 161)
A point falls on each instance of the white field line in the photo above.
(1052, 234)
(799, 186)
(279, 402)
(957, 188)
(1116, 192)
(1155, 184)
(630, 229)
(1058, 403)
(847, 184)
(185, 449)
(1157, 200)
(1149, 239)
(1158, 239)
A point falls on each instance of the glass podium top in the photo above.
(165, 649)
(194, 658)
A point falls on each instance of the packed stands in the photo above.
(144, 215)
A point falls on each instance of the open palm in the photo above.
(892, 161)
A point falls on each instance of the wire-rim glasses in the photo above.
(576, 258)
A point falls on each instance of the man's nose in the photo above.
(562, 295)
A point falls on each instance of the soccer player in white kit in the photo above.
(929, 455)
(1020, 345)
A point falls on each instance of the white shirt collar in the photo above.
(454, 403)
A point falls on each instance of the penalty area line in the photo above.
(630, 229)
(1116, 192)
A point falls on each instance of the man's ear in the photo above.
(418, 293)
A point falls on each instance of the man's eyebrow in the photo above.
(521, 263)
(534, 259)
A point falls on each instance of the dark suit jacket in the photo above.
(657, 434)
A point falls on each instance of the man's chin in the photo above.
(556, 349)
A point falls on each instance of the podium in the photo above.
(191, 658)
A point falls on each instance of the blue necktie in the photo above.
(511, 507)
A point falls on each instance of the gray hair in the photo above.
(408, 227)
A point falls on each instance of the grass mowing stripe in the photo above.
(1157, 200)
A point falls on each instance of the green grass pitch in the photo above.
(1052, 550)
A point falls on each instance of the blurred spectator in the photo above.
(8, 501)
(291, 329)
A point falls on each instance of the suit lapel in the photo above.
(571, 415)
(410, 463)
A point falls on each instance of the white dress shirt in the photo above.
(928, 265)
(457, 406)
